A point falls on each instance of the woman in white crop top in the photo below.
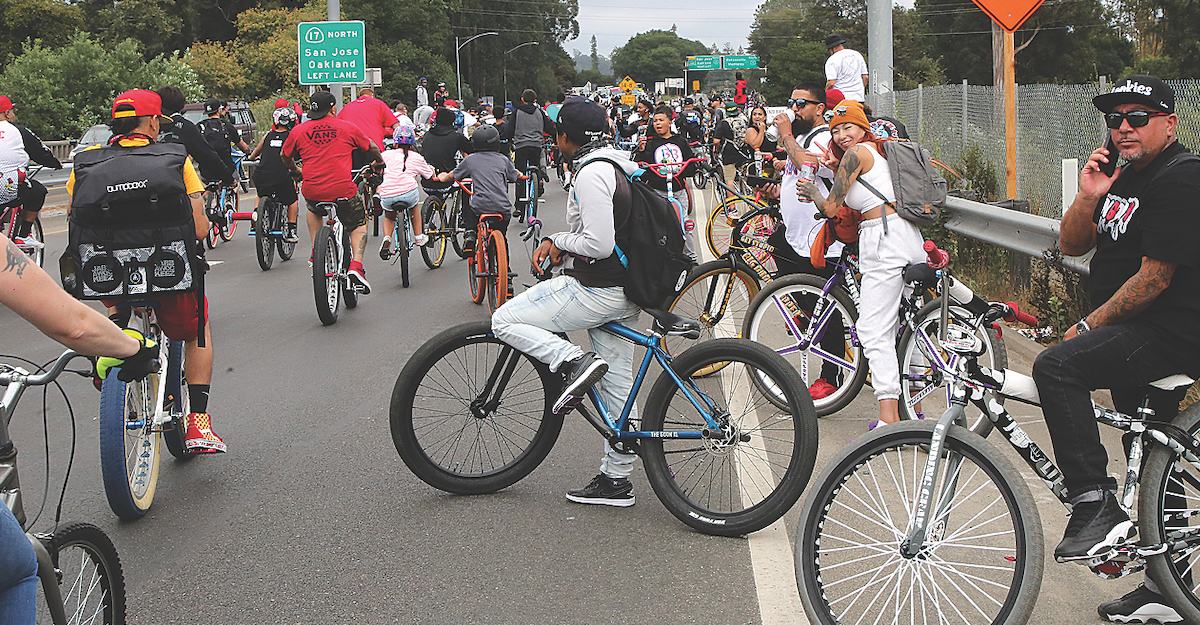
(857, 156)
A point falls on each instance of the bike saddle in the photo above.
(920, 272)
(492, 216)
(671, 324)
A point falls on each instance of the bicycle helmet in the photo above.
(284, 117)
(405, 135)
(486, 138)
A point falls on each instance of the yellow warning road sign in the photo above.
(627, 85)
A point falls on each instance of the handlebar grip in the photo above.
(935, 257)
(1017, 315)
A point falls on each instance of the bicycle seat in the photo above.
(1173, 382)
(322, 209)
(492, 216)
(920, 272)
(671, 324)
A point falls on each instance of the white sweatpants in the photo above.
(882, 258)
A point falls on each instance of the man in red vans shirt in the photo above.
(372, 116)
(325, 144)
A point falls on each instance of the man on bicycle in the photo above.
(375, 120)
(182, 131)
(1145, 281)
(589, 293)
(325, 144)
(17, 146)
(271, 178)
(526, 128)
(137, 116)
(221, 135)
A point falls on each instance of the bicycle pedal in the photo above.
(570, 404)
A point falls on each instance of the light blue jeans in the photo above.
(18, 573)
(529, 321)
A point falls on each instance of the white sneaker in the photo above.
(28, 241)
(421, 240)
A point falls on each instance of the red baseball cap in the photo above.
(833, 97)
(138, 103)
(280, 103)
(6, 105)
(449, 103)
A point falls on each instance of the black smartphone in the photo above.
(1111, 166)
(758, 181)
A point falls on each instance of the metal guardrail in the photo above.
(1021, 232)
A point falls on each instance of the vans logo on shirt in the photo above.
(1114, 219)
(322, 135)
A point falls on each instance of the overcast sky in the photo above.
(613, 22)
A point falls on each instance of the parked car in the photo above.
(96, 135)
(243, 119)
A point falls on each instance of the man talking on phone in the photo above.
(1143, 223)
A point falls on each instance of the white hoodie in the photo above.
(592, 231)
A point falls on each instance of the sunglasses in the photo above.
(801, 102)
(1136, 119)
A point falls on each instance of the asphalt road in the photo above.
(312, 518)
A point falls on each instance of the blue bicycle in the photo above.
(220, 203)
(471, 415)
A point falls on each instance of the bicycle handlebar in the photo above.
(460, 184)
(1015, 314)
(20, 377)
(656, 166)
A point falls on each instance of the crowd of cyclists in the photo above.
(812, 158)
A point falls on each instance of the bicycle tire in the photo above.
(403, 250)
(178, 401)
(458, 233)
(915, 368)
(129, 457)
(699, 180)
(264, 241)
(497, 260)
(349, 295)
(443, 442)
(327, 287)
(840, 535)
(38, 254)
(229, 207)
(434, 223)
(285, 248)
(767, 322)
(93, 582)
(759, 462)
(1162, 473)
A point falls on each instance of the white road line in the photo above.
(771, 555)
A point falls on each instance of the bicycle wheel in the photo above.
(721, 220)
(1168, 513)
(177, 402)
(717, 294)
(230, 224)
(327, 285)
(748, 473)
(264, 240)
(403, 249)
(699, 180)
(349, 295)
(458, 234)
(129, 444)
(783, 310)
(981, 561)
(433, 220)
(38, 254)
(497, 270)
(922, 385)
(470, 414)
(285, 248)
(92, 582)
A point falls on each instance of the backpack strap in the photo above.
(624, 192)
(813, 135)
(882, 212)
(1186, 157)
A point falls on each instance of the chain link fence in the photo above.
(963, 126)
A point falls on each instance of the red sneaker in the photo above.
(200, 439)
(821, 389)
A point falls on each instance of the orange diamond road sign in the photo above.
(1009, 14)
(627, 85)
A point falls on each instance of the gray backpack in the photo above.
(920, 189)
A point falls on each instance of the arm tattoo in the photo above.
(1136, 295)
(15, 260)
(846, 174)
(794, 151)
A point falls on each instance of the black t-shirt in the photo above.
(1162, 222)
(673, 150)
(731, 154)
(270, 171)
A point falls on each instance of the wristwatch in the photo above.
(1082, 326)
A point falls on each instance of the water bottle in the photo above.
(758, 162)
(963, 294)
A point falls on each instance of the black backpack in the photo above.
(214, 133)
(649, 243)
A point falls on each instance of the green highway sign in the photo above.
(703, 62)
(740, 61)
(332, 52)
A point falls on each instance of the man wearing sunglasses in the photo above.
(1143, 223)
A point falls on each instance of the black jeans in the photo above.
(1123, 358)
(522, 159)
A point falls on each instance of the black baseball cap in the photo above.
(319, 104)
(580, 113)
(211, 105)
(833, 41)
(1138, 89)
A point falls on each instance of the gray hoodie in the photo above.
(592, 220)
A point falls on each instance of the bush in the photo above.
(60, 92)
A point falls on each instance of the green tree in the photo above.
(51, 21)
(66, 89)
(595, 57)
(654, 56)
(799, 62)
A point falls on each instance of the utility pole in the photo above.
(334, 14)
(879, 48)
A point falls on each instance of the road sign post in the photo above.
(332, 52)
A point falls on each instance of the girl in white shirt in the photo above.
(855, 154)
(398, 191)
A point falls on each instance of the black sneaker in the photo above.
(290, 235)
(604, 491)
(1094, 528)
(385, 250)
(578, 376)
(1141, 605)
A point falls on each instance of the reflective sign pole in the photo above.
(1010, 114)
